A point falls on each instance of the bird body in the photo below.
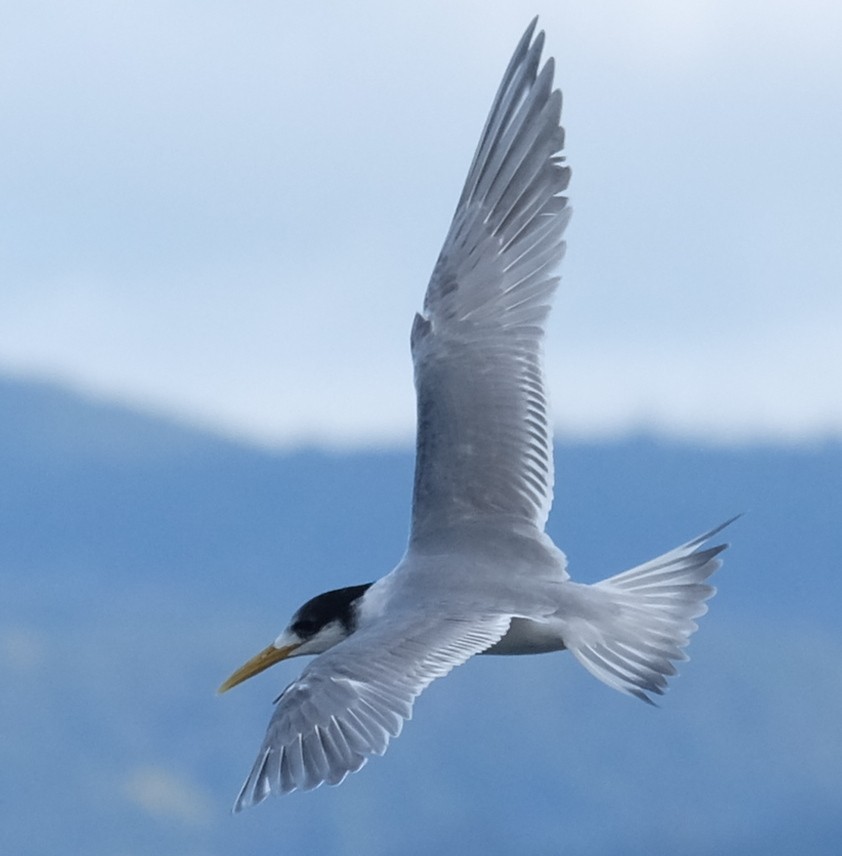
(479, 575)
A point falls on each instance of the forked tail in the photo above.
(632, 626)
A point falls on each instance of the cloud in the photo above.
(166, 795)
(232, 215)
(22, 649)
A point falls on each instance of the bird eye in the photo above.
(305, 627)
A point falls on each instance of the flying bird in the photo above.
(479, 575)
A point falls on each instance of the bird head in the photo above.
(318, 625)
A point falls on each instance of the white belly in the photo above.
(530, 637)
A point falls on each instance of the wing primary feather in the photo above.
(523, 63)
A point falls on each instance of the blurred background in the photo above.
(217, 221)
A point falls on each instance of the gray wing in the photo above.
(484, 444)
(352, 699)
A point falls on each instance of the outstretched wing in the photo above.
(352, 699)
(484, 444)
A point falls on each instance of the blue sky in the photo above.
(230, 212)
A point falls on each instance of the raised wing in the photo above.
(484, 444)
(352, 699)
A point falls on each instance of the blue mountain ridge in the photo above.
(142, 559)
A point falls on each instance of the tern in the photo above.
(479, 575)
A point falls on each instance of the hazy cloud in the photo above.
(22, 649)
(164, 794)
(232, 214)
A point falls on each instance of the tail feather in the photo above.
(635, 624)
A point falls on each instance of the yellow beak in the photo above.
(267, 657)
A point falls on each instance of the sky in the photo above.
(229, 213)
